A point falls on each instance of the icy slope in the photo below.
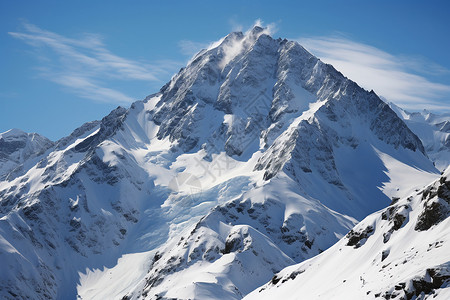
(100, 193)
(240, 244)
(400, 252)
(17, 146)
(433, 130)
(255, 152)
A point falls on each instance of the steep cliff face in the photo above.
(253, 157)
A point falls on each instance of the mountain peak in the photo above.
(256, 30)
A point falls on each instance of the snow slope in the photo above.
(400, 252)
(255, 156)
(240, 244)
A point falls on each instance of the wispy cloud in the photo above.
(398, 78)
(86, 66)
(190, 48)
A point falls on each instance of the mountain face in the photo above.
(434, 132)
(17, 146)
(400, 252)
(255, 156)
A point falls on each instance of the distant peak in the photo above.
(426, 112)
(13, 132)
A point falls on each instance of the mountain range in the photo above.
(256, 171)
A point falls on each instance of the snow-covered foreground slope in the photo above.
(240, 244)
(17, 146)
(400, 252)
(255, 156)
(434, 132)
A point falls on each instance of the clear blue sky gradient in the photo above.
(151, 31)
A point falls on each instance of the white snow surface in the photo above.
(404, 253)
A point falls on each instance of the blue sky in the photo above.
(65, 63)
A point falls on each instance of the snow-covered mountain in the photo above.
(17, 146)
(400, 252)
(433, 130)
(255, 156)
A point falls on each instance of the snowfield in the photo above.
(401, 252)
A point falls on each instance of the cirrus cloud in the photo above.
(86, 67)
(397, 78)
